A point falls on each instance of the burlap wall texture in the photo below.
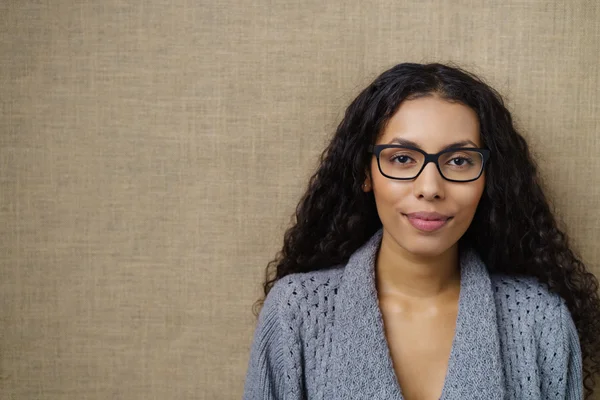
(152, 153)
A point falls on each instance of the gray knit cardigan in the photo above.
(320, 335)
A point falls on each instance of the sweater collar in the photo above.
(363, 363)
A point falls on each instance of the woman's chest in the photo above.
(420, 347)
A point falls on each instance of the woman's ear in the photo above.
(366, 186)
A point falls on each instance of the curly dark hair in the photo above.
(513, 230)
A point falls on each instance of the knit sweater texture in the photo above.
(320, 335)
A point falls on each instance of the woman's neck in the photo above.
(414, 277)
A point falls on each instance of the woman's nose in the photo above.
(429, 184)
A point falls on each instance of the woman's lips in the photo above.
(425, 225)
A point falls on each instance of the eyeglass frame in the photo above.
(434, 158)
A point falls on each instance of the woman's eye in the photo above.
(401, 159)
(460, 161)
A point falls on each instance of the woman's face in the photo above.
(432, 123)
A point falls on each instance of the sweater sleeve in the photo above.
(266, 368)
(574, 369)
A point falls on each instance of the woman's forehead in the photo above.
(432, 122)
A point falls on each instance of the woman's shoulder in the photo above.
(525, 301)
(300, 286)
(524, 290)
(300, 293)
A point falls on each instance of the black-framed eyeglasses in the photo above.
(400, 162)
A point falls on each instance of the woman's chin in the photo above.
(425, 246)
(426, 250)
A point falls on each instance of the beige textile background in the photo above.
(152, 153)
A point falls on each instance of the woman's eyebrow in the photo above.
(406, 142)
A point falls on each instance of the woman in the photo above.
(425, 262)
